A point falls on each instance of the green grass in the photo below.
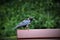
(9, 38)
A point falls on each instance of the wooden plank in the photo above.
(38, 39)
(38, 33)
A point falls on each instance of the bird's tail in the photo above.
(15, 28)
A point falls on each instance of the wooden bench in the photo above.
(38, 34)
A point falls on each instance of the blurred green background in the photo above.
(46, 13)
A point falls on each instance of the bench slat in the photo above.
(38, 33)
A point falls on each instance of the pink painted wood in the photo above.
(38, 34)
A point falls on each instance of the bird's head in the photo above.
(31, 18)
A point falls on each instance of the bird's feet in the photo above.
(27, 28)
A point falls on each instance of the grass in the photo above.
(9, 38)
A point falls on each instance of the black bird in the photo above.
(25, 23)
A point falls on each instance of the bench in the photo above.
(38, 34)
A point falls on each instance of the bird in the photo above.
(25, 23)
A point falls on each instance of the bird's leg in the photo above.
(27, 27)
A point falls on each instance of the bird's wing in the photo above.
(23, 23)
